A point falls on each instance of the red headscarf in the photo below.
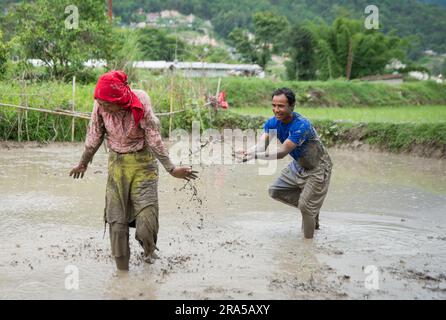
(113, 87)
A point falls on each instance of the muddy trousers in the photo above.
(132, 200)
(305, 191)
(146, 223)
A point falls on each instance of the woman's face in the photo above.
(110, 107)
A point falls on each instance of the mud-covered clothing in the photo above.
(146, 234)
(123, 136)
(132, 186)
(300, 131)
(305, 189)
(304, 182)
(132, 196)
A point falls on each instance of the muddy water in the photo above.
(383, 233)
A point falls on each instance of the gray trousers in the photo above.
(305, 190)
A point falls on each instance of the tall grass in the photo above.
(166, 93)
(178, 93)
(396, 114)
(242, 92)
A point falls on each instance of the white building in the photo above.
(203, 69)
(188, 69)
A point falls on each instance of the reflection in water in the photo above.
(231, 240)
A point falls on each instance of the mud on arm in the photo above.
(95, 136)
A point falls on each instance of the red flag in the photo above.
(222, 100)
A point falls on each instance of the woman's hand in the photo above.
(78, 171)
(184, 173)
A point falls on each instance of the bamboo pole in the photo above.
(349, 59)
(171, 108)
(26, 114)
(110, 11)
(80, 115)
(216, 98)
(72, 109)
(56, 112)
(218, 88)
(19, 114)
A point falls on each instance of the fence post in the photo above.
(216, 98)
(171, 108)
(72, 109)
(26, 111)
(20, 112)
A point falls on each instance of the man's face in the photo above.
(281, 108)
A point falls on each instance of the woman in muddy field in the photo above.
(304, 182)
(126, 117)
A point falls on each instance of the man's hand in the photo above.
(243, 156)
(184, 173)
(78, 171)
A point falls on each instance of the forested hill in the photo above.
(423, 18)
(440, 2)
(407, 17)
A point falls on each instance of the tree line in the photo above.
(314, 48)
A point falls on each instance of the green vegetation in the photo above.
(158, 44)
(424, 23)
(319, 40)
(252, 94)
(337, 93)
(3, 56)
(38, 30)
(398, 114)
(270, 30)
(395, 128)
(424, 139)
(344, 49)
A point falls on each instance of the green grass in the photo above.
(395, 118)
(402, 114)
(251, 92)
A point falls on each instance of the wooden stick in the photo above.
(77, 114)
(19, 115)
(168, 113)
(171, 108)
(26, 114)
(61, 113)
(72, 109)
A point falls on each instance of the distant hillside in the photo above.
(407, 17)
(440, 2)
(423, 18)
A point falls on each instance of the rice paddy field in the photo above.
(402, 118)
(390, 114)
(221, 236)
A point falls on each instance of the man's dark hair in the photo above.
(289, 94)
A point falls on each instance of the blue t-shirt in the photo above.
(299, 131)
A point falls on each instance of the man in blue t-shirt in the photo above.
(304, 182)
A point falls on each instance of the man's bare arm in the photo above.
(282, 151)
(261, 145)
